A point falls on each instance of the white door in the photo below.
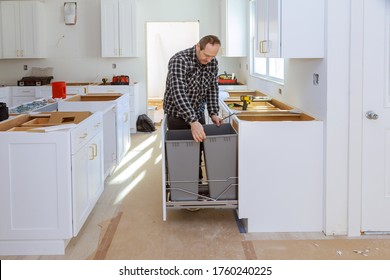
(376, 118)
(164, 39)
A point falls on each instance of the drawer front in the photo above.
(85, 131)
(23, 91)
(109, 89)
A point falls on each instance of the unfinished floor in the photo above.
(127, 224)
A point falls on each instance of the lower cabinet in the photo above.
(116, 122)
(132, 90)
(280, 168)
(50, 182)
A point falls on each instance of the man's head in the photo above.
(207, 48)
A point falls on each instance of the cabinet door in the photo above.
(87, 180)
(123, 129)
(268, 28)
(10, 28)
(95, 169)
(233, 28)
(127, 30)
(290, 29)
(35, 193)
(80, 188)
(109, 28)
(28, 29)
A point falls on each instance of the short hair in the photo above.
(209, 39)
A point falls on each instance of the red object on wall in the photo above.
(58, 89)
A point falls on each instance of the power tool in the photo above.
(246, 99)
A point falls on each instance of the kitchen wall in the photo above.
(74, 51)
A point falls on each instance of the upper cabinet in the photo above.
(118, 29)
(22, 29)
(234, 17)
(290, 29)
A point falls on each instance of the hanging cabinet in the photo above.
(290, 29)
(118, 29)
(22, 29)
(233, 28)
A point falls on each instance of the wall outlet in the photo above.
(114, 66)
(25, 67)
(279, 90)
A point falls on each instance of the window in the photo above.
(263, 67)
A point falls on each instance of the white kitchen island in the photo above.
(50, 180)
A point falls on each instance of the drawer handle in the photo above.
(126, 117)
(83, 136)
(97, 125)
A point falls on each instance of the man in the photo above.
(192, 83)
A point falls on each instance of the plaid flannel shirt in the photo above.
(189, 86)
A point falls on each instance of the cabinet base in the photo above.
(32, 247)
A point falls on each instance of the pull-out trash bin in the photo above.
(220, 151)
(182, 154)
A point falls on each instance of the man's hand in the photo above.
(198, 132)
(216, 120)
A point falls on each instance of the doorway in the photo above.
(163, 40)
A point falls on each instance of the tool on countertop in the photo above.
(247, 99)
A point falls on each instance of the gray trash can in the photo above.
(182, 154)
(220, 151)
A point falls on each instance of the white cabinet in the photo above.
(76, 89)
(118, 28)
(43, 184)
(43, 92)
(46, 91)
(116, 122)
(22, 95)
(5, 96)
(133, 92)
(290, 29)
(22, 29)
(280, 170)
(234, 19)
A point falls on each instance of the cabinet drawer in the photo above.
(23, 91)
(85, 131)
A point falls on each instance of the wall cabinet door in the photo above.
(22, 28)
(290, 29)
(233, 28)
(118, 28)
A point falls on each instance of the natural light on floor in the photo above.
(128, 189)
(132, 168)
